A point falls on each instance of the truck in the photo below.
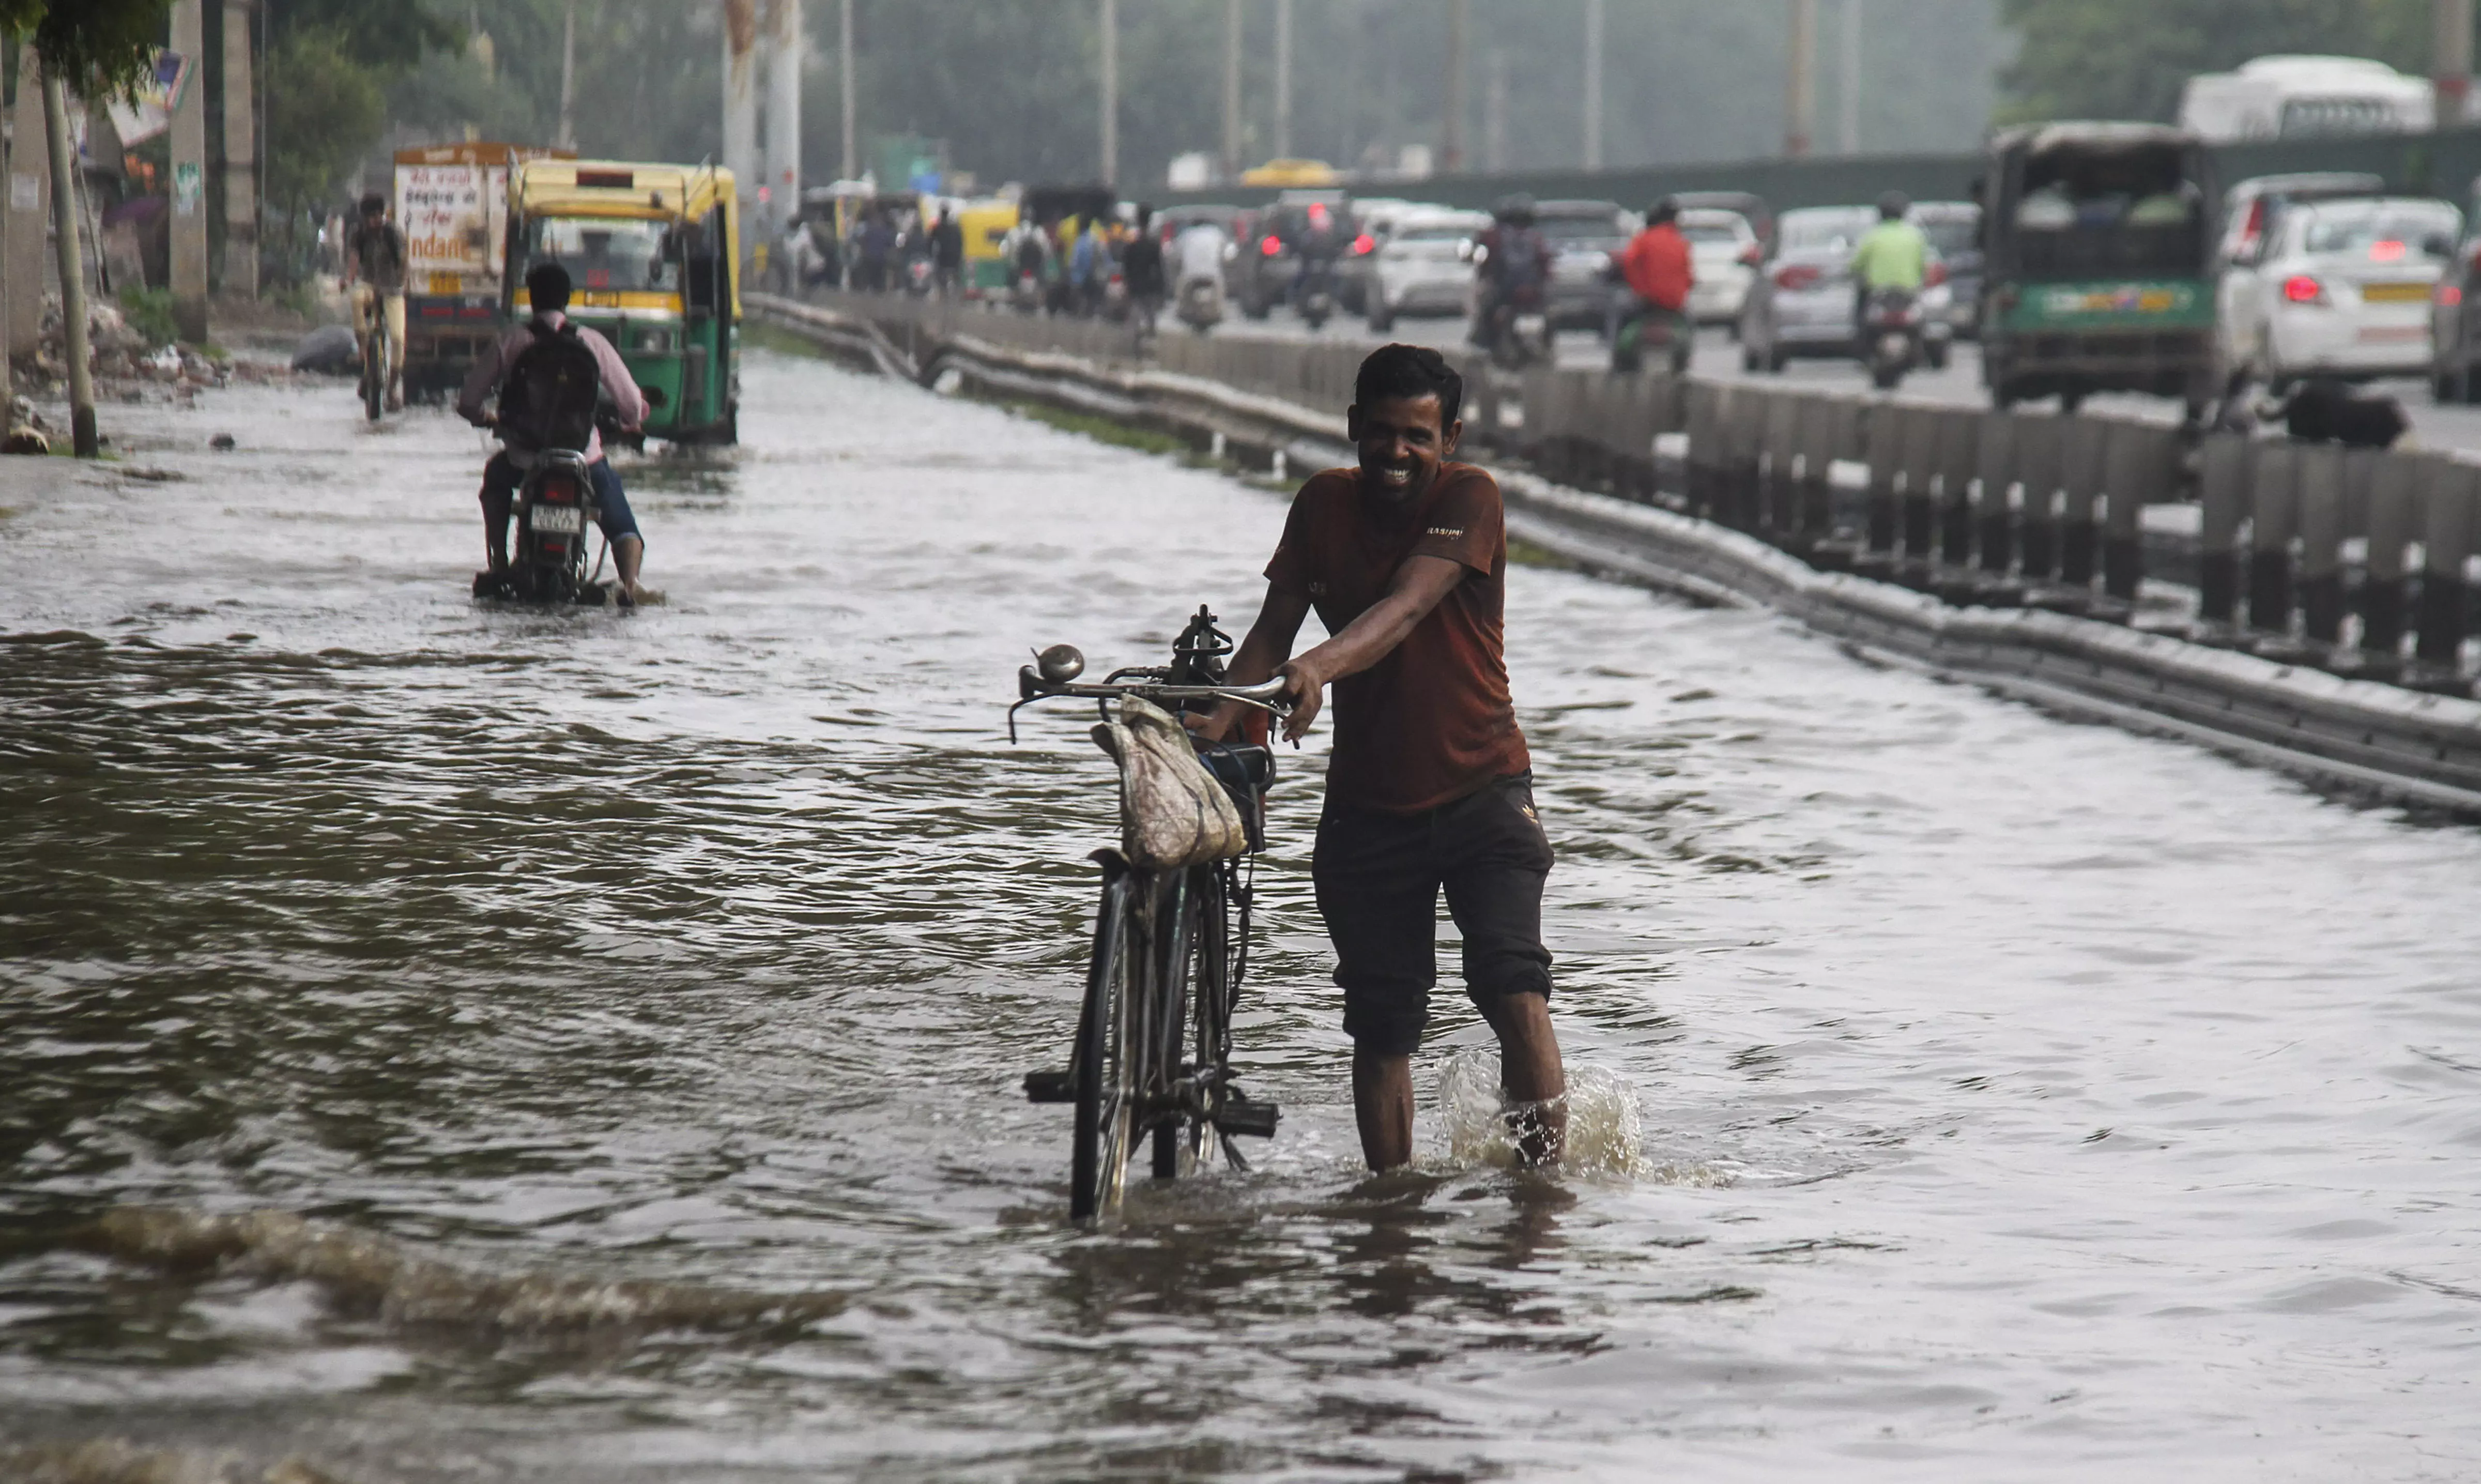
(452, 203)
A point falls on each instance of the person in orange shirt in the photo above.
(1659, 273)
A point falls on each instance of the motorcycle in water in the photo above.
(551, 518)
(1201, 304)
(1890, 335)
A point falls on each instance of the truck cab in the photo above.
(652, 253)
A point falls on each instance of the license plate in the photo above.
(1530, 324)
(2393, 334)
(2395, 293)
(444, 285)
(558, 520)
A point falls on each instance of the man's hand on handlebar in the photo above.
(1302, 686)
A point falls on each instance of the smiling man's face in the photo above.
(1402, 442)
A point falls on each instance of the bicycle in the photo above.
(1152, 1058)
(377, 348)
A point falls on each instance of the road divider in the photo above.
(2014, 549)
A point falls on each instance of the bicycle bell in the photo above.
(1061, 664)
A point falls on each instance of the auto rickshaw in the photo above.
(652, 253)
(2099, 272)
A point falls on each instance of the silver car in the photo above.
(1801, 303)
(1424, 265)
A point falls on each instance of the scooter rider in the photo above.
(1198, 251)
(1660, 273)
(547, 290)
(1515, 266)
(373, 278)
(1893, 254)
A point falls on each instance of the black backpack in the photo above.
(548, 396)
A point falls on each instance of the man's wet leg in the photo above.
(1382, 1105)
(1532, 1075)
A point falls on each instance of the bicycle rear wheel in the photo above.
(375, 367)
(1104, 1070)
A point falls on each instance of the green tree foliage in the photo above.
(323, 109)
(2128, 59)
(98, 45)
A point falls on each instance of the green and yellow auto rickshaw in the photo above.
(652, 253)
(2098, 270)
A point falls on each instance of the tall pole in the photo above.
(1110, 89)
(30, 198)
(241, 155)
(784, 112)
(1593, 151)
(2451, 71)
(189, 234)
(56, 128)
(845, 65)
(1230, 89)
(1283, 79)
(1800, 79)
(1493, 110)
(568, 77)
(1851, 89)
(740, 100)
(1451, 132)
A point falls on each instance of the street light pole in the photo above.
(1283, 79)
(64, 237)
(1593, 150)
(568, 76)
(1800, 79)
(1451, 133)
(1851, 98)
(844, 62)
(2451, 67)
(1110, 90)
(1230, 89)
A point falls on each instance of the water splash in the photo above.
(377, 1274)
(1606, 1129)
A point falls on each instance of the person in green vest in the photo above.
(1893, 254)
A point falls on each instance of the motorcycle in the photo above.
(1520, 332)
(918, 276)
(1314, 295)
(554, 509)
(1890, 335)
(1201, 304)
(1025, 294)
(1646, 328)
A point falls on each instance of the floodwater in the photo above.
(445, 1044)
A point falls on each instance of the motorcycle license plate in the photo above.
(558, 520)
(1530, 323)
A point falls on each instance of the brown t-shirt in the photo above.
(1432, 721)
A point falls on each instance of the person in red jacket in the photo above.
(1659, 273)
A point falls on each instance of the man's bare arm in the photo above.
(1420, 583)
(1266, 647)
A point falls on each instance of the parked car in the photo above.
(2345, 290)
(1801, 301)
(1424, 267)
(1954, 231)
(2252, 223)
(1584, 235)
(1723, 250)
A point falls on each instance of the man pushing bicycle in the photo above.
(1429, 787)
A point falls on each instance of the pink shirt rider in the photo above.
(620, 386)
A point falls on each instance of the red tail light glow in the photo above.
(2448, 295)
(2301, 289)
(1364, 244)
(1749, 256)
(1936, 275)
(2386, 253)
(1795, 277)
(1271, 245)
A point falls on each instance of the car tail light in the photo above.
(2301, 289)
(2448, 295)
(1362, 244)
(1936, 275)
(2388, 251)
(1749, 256)
(1270, 244)
(1795, 277)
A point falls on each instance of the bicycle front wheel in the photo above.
(375, 369)
(1104, 1071)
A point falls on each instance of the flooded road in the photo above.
(445, 1044)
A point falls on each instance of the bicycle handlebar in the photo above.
(1149, 683)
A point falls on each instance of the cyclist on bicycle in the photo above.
(375, 254)
(1429, 785)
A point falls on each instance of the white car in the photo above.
(1723, 250)
(2343, 291)
(1426, 265)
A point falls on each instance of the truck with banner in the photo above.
(452, 201)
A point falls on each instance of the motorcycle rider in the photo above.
(948, 253)
(375, 254)
(1515, 268)
(1659, 273)
(547, 289)
(1893, 254)
(1319, 245)
(1199, 252)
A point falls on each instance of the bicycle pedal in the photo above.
(1051, 1086)
(1239, 1116)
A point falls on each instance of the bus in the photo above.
(2298, 97)
(653, 254)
